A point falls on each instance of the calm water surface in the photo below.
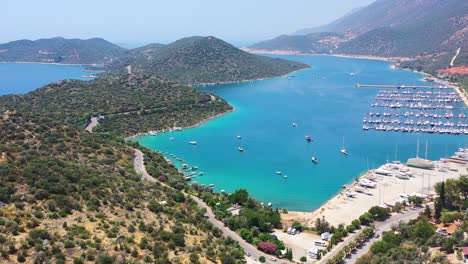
(324, 102)
(20, 78)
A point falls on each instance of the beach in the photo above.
(343, 210)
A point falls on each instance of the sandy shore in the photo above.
(292, 52)
(343, 209)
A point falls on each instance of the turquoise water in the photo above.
(324, 102)
(20, 78)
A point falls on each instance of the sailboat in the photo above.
(396, 151)
(343, 149)
(419, 162)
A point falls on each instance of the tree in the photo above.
(379, 213)
(380, 247)
(422, 229)
(321, 225)
(415, 200)
(262, 259)
(240, 196)
(303, 259)
(366, 218)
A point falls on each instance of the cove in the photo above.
(20, 78)
(325, 103)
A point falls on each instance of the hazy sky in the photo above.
(142, 21)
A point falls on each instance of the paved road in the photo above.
(248, 248)
(381, 227)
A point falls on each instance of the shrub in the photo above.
(267, 247)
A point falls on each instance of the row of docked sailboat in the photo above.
(412, 122)
(420, 114)
(409, 129)
(416, 106)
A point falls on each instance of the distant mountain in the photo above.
(417, 28)
(138, 56)
(328, 27)
(429, 31)
(60, 50)
(310, 43)
(198, 60)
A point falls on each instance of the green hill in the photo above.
(60, 50)
(69, 196)
(310, 43)
(198, 60)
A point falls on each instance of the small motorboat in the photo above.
(294, 124)
(201, 173)
(240, 149)
(194, 167)
(185, 166)
(171, 138)
(315, 160)
(344, 151)
(308, 138)
(239, 137)
(285, 176)
(279, 172)
(193, 143)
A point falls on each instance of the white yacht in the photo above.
(193, 142)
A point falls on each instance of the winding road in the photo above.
(248, 248)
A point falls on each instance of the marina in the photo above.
(273, 132)
(437, 111)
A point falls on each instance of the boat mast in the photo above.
(417, 149)
(426, 151)
(396, 150)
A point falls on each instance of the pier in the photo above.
(387, 86)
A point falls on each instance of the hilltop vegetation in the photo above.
(130, 103)
(199, 60)
(70, 196)
(60, 50)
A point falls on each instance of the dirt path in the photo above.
(94, 122)
(455, 57)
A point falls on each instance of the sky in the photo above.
(147, 21)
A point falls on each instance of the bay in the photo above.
(21, 78)
(325, 103)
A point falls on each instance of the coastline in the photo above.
(201, 122)
(286, 52)
(394, 65)
(249, 80)
(342, 208)
(45, 63)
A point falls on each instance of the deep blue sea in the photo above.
(20, 78)
(324, 102)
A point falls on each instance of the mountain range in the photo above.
(425, 30)
(60, 50)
